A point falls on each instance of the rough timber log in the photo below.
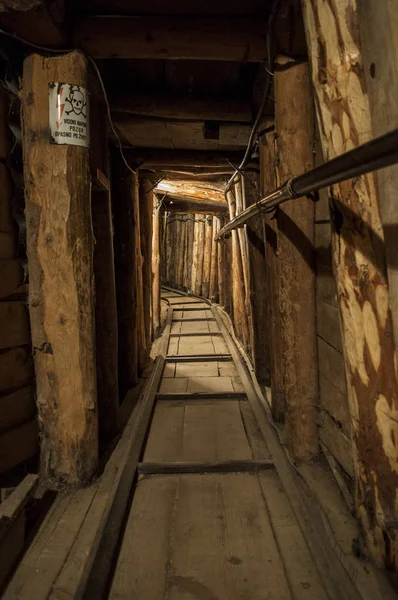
(61, 304)
(360, 269)
(237, 39)
(190, 107)
(258, 293)
(272, 267)
(239, 199)
(221, 259)
(152, 158)
(213, 289)
(125, 187)
(380, 55)
(198, 254)
(238, 284)
(156, 285)
(188, 253)
(139, 261)
(294, 127)
(207, 256)
(105, 287)
(146, 209)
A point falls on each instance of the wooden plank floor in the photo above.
(209, 536)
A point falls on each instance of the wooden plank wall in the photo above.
(334, 417)
(18, 427)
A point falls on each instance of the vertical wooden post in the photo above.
(213, 289)
(189, 225)
(294, 127)
(181, 232)
(221, 265)
(240, 205)
(156, 285)
(146, 209)
(139, 261)
(198, 254)
(238, 283)
(258, 293)
(105, 287)
(272, 260)
(124, 190)
(61, 303)
(207, 256)
(360, 269)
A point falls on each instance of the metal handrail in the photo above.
(377, 154)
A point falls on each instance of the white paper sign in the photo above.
(69, 114)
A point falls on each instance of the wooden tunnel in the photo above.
(125, 191)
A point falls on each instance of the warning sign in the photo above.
(69, 114)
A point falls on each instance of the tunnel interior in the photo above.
(198, 299)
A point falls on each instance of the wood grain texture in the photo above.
(359, 261)
(239, 39)
(294, 128)
(272, 267)
(61, 295)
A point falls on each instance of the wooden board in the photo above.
(328, 324)
(336, 442)
(304, 580)
(204, 431)
(196, 536)
(331, 365)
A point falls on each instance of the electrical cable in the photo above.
(267, 89)
(13, 36)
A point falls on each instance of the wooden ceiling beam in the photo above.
(175, 204)
(191, 190)
(148, 158)
(178, 106)
(162, 7)
(203, 38)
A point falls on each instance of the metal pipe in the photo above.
(377, 154)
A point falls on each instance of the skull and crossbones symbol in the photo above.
(76, 102)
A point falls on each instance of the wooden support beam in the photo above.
(198, 254)
(155, 265)
(237, 280)
(213, 285)
(192, 190)
(272, 267)
(226, 466)
(183, 205)
(138, 130)
(106, 330)
(258, 289)
(188, 255)
(151, 158)
(294, 128)
(61, 295)
(146, 211)
(125, 187)
(207, 256)
(233, 39)
(359, 261)
(178, 106)
(173, 7)
(139, 261)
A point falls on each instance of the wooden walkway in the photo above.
(197, 502)
(211, 520)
